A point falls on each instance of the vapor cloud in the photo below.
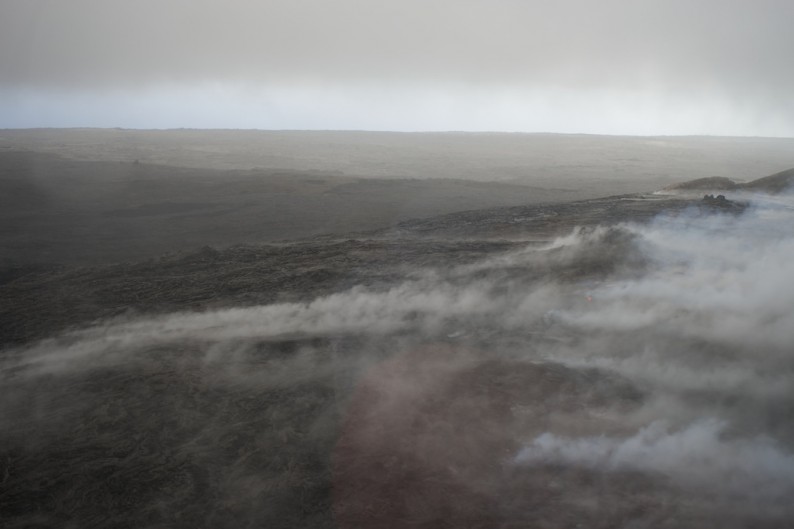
(695, 456)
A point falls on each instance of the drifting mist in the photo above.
(662, 352)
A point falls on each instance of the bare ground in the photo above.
(165, 392)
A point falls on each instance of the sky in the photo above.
(645, 67)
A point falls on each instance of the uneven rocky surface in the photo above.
(39, 301)
(616, 362)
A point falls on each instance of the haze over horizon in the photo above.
(615, 67)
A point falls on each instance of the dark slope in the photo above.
(56, 210)
(36, 301)
(771, 184)
(716, 183)
(775, 183)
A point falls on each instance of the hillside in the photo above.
(772, 184)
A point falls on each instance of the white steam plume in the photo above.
(696, 456)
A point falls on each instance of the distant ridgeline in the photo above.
(772, 184)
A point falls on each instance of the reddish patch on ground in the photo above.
(425, 442)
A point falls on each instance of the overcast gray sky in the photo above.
(600, 66)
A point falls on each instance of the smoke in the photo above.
(512, 292)
(714, 305)
(697, 456)
(717, 281)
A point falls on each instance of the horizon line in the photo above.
(386, 131)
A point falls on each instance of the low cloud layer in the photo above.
(725, 63)
(621, 44)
